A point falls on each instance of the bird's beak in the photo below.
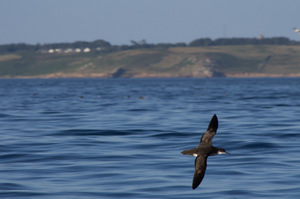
(227, 153)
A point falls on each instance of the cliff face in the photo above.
(169, 65)
(198, 62)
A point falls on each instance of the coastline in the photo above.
(175, 62)
(144, 75)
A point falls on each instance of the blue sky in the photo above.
(156, 21)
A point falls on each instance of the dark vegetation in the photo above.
(106, 46)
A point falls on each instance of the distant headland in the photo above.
(235, 57)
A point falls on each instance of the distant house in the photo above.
(260, 37)
(58, 50)
(69, 50)
(86, 50)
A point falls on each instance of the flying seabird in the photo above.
(204, 150)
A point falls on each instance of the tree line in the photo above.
(243, 41)
(106, 46)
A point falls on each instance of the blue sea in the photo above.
(122, 138)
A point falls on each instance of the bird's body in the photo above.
(204, 150)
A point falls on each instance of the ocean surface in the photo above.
(122, 138)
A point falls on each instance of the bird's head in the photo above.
(222, 151)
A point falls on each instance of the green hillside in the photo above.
(213, 61)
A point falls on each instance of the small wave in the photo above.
(235, 192)
(139, 110)
(287, 135)
(96, 132)
(4, 115)
(88, 132)
(49, 112)
(259, 145)
(12, 186)
(174, 134)
(109, 132)
(17, 194)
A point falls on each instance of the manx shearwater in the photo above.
(204, 150)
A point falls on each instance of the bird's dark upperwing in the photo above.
(200, 167)
(211, 130)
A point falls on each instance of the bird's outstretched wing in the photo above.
(211, 130)
(190, 151)
(200, 167)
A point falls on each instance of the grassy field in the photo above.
(249, 60)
